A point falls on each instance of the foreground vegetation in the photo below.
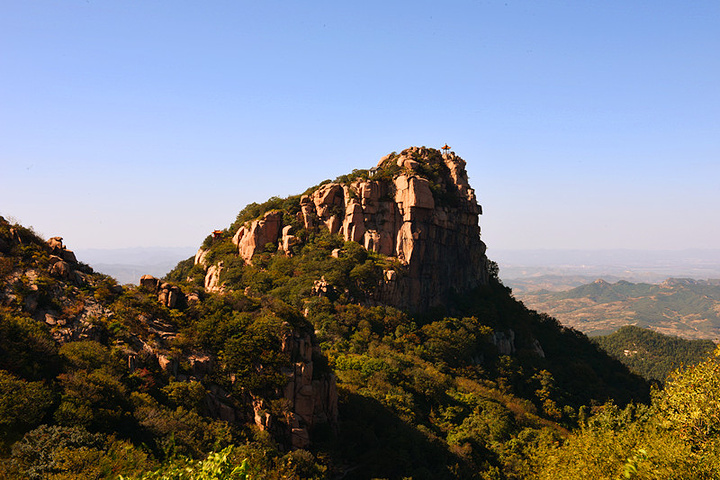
(675, 437)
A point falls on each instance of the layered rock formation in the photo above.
(417, 207)
(433, 226)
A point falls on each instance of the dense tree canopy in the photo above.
(115, 381)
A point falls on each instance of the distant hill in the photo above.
(678, 306)
(651, 354)
(551, 282)
(127, 265)
(528, 271)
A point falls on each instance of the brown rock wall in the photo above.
(312, 397)
(253, 238)
(426, 216)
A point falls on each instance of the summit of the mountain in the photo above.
(416, 208)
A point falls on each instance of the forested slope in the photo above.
(651, 354)
(293, 341)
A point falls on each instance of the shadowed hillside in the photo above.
(653, 355)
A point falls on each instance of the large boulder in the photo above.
(252, 238)
(326, 197)
(354, 223)
(212, 278)
(149, 283)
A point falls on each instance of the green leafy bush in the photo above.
(22, 406)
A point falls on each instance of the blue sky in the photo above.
(585, 124)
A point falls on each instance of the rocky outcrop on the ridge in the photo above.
(252, 238)
(287, 241)
(63, 263)
(44, 280)
(424, 214)
(201, 257)
(212, 278)
(416, 207)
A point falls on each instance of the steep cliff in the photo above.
(416, 208)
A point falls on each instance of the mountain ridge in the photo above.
(296, 347)
(684, 307)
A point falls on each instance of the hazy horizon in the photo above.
(128, 264)
(584, 125)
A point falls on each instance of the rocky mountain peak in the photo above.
(416, 208)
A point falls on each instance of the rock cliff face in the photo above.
(417, 207)
(249, 239)
(168, 295)
(312, 398)
(432, 228)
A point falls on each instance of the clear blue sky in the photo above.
(585, 124)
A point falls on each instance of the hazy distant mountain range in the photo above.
(127, 265)
(522, 270)
(556, 270)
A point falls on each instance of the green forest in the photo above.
(168, 380)
(651, 354)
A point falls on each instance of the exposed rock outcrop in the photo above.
(287, 240)
(201, 256)
(312, 397)
(505, 342)
(354, 224)
(253, 238)
(212, 278)
(49, 285)
(428, 221)
(425, 214)
(168, 295)
(64, 265)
